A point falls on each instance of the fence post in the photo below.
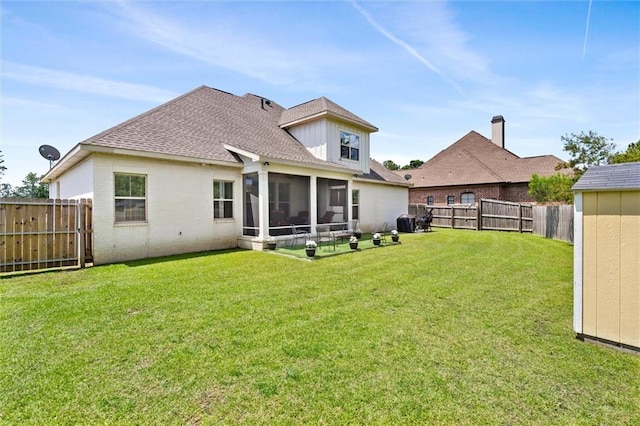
(479, 214)
(80, 233)
(519, 217)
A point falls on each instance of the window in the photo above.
(355, 204)
(130, 198)
(468, 198)
(451, 199)
(222, 199)
(349, 146)
(430, 200)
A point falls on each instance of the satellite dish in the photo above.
(50, 153)
(407, 176)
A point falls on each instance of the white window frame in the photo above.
(129, 199)
(348, 140)
(219, 212)
(355, 204)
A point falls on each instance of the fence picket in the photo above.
(39, 233)
(548, 221)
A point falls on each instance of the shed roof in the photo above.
(610, 177)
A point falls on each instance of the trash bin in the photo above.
(406, 223)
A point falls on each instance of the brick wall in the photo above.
(508, 192)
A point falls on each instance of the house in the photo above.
(212, 170)
(475, 167)
(606, 262)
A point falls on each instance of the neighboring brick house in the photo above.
(475, 167)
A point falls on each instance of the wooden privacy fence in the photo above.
(40, 233)
(487, 215)
(554, 222)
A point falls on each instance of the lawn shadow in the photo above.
(161, 259)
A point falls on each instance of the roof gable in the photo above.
(321, 107)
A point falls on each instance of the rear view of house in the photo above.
(212, 170)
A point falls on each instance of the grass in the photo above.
(449, 327)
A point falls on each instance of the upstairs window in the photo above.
(222, 199)
(130, 198)
(349, 146)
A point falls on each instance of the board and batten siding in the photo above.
(607, 266)
(322, 138)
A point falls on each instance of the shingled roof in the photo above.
(318, 108)
(474, 160)
(611, 177)
(202, 123)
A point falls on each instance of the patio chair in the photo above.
(297, 232)
(383, 230)
(326, 217)
(324, 234)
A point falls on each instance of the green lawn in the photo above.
(449, 327)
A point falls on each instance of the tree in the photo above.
(2, 166)
(32, 188)
(631, 155)
(389, 164)
(413, 164)
(587, 149)
(551, 188)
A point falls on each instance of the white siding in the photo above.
(313, 136)
(322, 139)
(179, 210)
(381, 203)
(74, 184)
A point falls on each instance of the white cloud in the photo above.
(84, 84)
(236, 45)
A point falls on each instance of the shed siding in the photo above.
(630, 269)
(611, 266)
(590, 245)
(608, 266)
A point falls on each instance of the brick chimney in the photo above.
(497, 130)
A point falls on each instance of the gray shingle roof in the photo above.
(474, 160)
(200, 123)
(610, 177)
(321, 107)
(380, 173)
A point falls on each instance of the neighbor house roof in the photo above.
(610, 177)
(318, 108)
(475, 160)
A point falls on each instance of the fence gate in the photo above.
(41, 234)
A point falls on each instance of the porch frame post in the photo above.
(313, 202)
(263, 200)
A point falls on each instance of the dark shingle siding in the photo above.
(610, 177)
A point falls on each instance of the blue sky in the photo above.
(424, 72)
